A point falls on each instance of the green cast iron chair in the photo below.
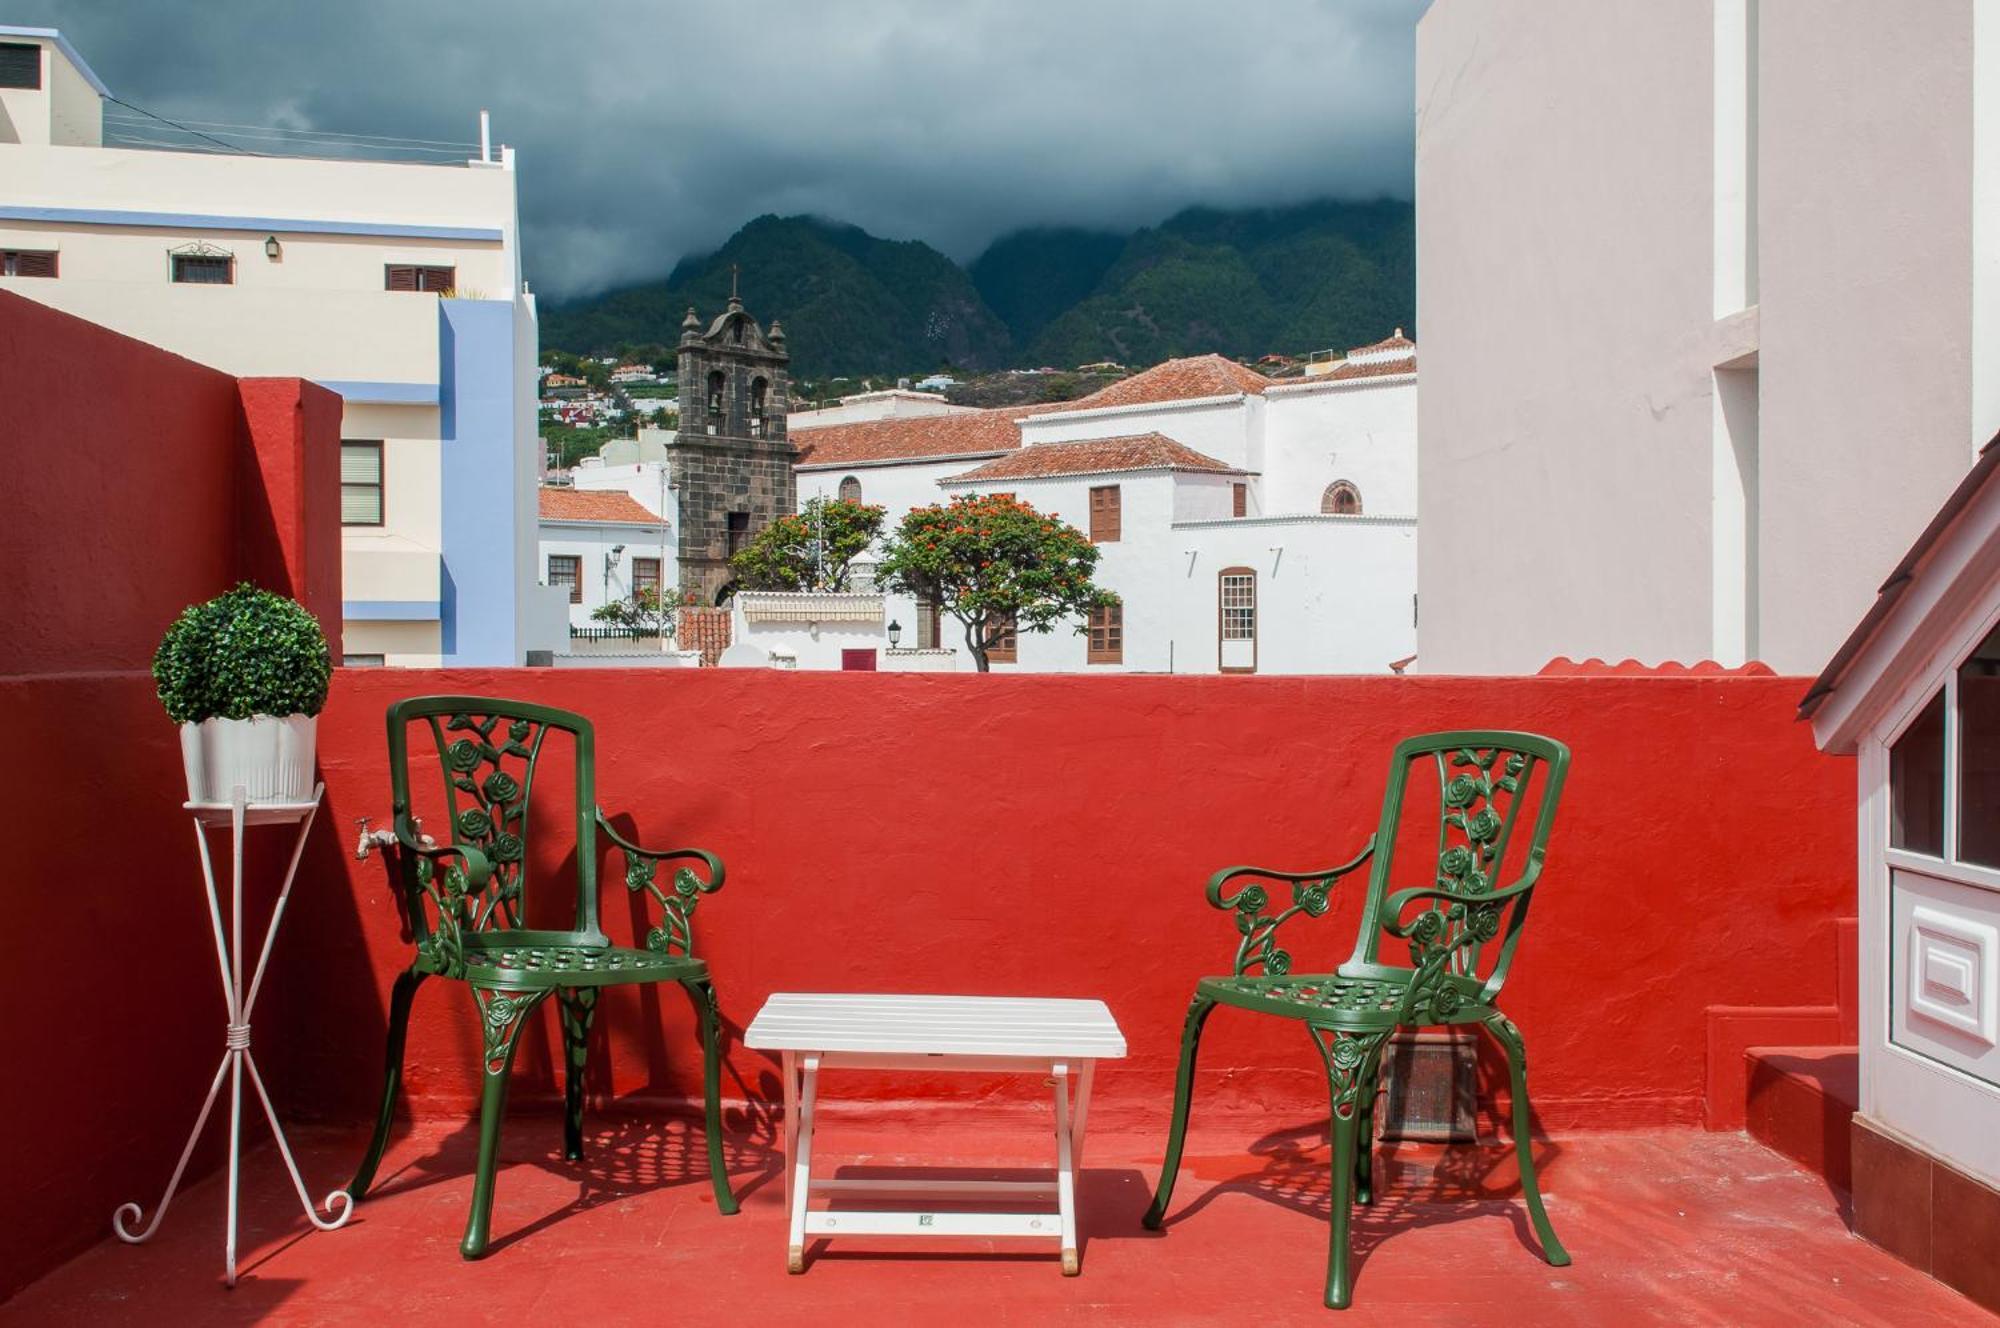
(1461, 927)
(466, 899)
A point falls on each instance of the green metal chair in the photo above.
(1461, 927)
(466, 900)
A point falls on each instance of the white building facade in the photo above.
(395, 284)
(1710, 299)
(1247, 524)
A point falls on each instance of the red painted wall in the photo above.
(138, 482)
(1049, 835)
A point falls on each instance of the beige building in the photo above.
(394, 283)
(1709, 296)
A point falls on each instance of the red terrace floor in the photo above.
(1667, 1226)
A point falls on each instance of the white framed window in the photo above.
(1236, 619)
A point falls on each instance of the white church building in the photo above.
(1247, 524)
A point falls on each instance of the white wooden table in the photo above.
(1061, 1040)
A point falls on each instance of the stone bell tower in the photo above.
(730, 461)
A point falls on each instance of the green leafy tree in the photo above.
(995, 564)
(812, 550)
(646, 610)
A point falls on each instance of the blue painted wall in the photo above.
(477, 474)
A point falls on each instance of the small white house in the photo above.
(602, 546)
(1914, 695)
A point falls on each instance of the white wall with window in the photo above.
(596, 562)
(1914, 694)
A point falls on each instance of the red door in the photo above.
(858, 659)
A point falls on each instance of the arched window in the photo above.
(1341, 499)
(759, 390)
(716, 382)
(850, 490)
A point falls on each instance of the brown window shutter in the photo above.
(1239, 500)
(28, 263)
(439, 279)
(1106, 514)
(402, 277)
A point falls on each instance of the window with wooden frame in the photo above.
(1236, 619)
(1239, 499)
(1005, 650)
(417, 277)
(1341, 499)
(566, 569)
(739, 532)
(645, 576)
(1107, 635)
(204, 269)
(27, 262)
(1105, 514)
(20, 65)
(361, 488)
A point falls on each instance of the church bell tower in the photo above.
(731, 460)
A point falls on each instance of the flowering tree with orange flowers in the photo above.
(995, 564)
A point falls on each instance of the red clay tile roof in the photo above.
(1371, 369)
(1396, 342)
(914, 439)
(1141, 451)
(994, 431)
(1177, 380)
(593, 505)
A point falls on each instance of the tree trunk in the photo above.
(975, 641)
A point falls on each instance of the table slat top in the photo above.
(936, 1025)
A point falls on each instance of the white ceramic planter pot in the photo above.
(271, 757)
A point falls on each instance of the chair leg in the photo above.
(1509, 1038)
(1364, 1139)
(1350, 1065)
(702, 993)
(502, 1016)
(578, 1007)
(400, 997)
(1198, 1011)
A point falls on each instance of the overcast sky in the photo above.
(648, 129)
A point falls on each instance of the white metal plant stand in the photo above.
(236, 1058)
(1060, 1039)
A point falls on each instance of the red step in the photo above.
(1799, 1101)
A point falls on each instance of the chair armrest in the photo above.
(1259, 929)
(1458, 899)
(478, 871)
(1329, 874)
(675, 934)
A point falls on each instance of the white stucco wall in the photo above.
(1865, 364)
(1585, 206)
(1363, 431)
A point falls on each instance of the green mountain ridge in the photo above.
(1239, 282)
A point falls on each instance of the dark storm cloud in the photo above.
(650, 130)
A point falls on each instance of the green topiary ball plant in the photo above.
(247, 652)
